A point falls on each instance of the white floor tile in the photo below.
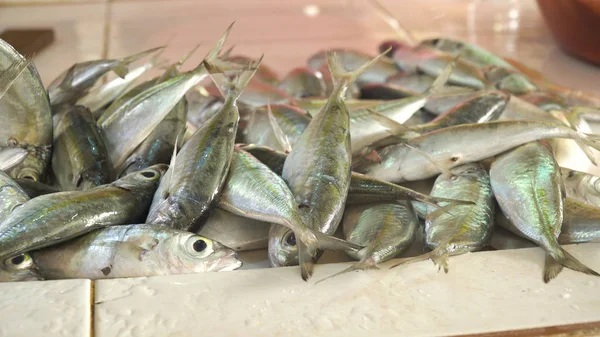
(48, 308)
(483, 292)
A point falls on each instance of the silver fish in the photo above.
(292, 121)
(464, 228)
(236, 232)
(76, 81)
(194, 182)
(25, 111)
(432, 153)
(581, 186)
(527, 184)
(304, 82)
(11, 157)
(317, 170)
(54, 218)
(134, 251)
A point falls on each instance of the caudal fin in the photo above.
(311, 242)
(353, 267)
(342, 77)
(440, 81)
(438, 256)
(586, 139)
(554, 265)
(122, 69)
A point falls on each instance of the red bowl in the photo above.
(576, 26)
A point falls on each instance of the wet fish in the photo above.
(317, 170)
(194, 182)
(128, 125)
(134, 251)
(11, 196)
(102, 94)
(254, 191)
(257, 93)
(76, 81)
(292, 121)
(384, 91)
(456, 145)
(581, 186)
(508, 80)
(201, 105)
(54, 218)
(386, 231)
(79, 157)
(9, 75)
(413, 83)
(353, 91)
(19, 269)
(527, 184)
(236, 232)
(465, 228)
(363, 189)
(25, 113)
(467, 51)
(304, 82)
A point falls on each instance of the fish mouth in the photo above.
(230, 262)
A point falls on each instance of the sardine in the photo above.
(57, 217)
(19, 269)
(129, 124)
(384, 91)
(317, 170)
(467, 51)
(79, 157)
(465, 228)
(254, 191)
(263, 73)
(193, 183)
(76, 81)
(527, 184)
(201, 105)
(26, 117)
(386, 231)
(11, 196)
(304, 82)
(134, 251)
(432, 153)
(236, 232)
(508, 80)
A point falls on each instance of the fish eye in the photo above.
(290, 240)
(150, 174)
(19, 262)
(200, 245)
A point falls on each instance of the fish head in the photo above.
(19, 268)
(191, 253)
(143, 183)
(33, 166)
(282, 247)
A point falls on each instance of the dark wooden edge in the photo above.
(570, 330)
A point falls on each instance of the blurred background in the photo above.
(289, 31)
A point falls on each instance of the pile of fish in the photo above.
(105, 176)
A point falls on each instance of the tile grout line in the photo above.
(92, 306)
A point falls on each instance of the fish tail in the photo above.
(214, 62)
(10, 75)
(555, 263)
(353, 267)
(234, 88)
(342, 78)
(588, 139)
(122, 69)
(306, 259)
(442, 79)
(439, 256)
